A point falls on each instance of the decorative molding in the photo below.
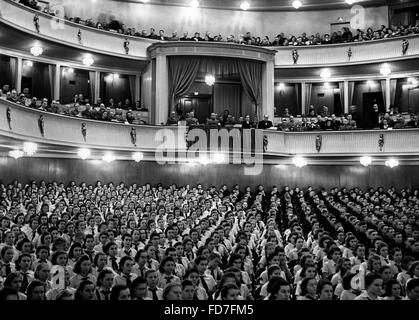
(319, 142)
(36, 22)
(84, 131)
(133, 134)
(41, 125)
(9, 117)
(405, 46)
(381, 141)
(221, 49)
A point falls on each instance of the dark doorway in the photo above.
(368, 100)
(338, 110)
(413, 106)
(26, 83)
(201, 104)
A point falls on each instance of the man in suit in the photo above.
(185, 37)
(265, 123)
(247, 124)
(374, 118)
(197, 37)
(152, 34)
(162, 36)
(213, 121)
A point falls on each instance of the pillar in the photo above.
(268, 87)
(346, 96)
(161, 87)
(18, 79)
(57, 81)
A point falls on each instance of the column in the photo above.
(388, 94)
(303, 98)
(97, 86)
(161, 88)
(18, 79)
(268, 87)
(137, 88)
(57, 81)
(346, 96)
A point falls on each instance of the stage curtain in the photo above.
(13, 72)
(227, 96)
(51, 79)
(351, 87)
(309, 89)
(182, 74)
(92, 84)
(250, 73)
(132, 89)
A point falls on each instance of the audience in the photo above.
(144, 242)
(343, 36)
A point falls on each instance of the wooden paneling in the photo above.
(65, 170)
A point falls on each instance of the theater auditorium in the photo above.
(209, 150)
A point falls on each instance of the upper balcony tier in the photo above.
(105, 42)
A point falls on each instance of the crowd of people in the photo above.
(310, 122)
(122, 111)
(141, 242)
(343, 36)
(115, 110)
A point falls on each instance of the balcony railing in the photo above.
(22, 123)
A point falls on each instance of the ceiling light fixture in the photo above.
(194, 4)
(30, 148)
(365, 161)
(84, 153)
(325, 74)
(385, 70)
(244, 5)
(209, 79)
(36, 51)
(299, 161)
(16, 154)
(297, 4)
(137, 156)
(28, 63)
(88, 60)
(392, 163)
(349, 1)
(108, 157)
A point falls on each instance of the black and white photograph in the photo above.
(228, 153)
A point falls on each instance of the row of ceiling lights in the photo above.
(245, 5)
(30, 148)
(300, 161)
(385, 70)
(87, 59)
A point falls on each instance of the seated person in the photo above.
(191, 120)
(351, 121)
(213, 121)
(414, 122)
(400, 123)
(173, 119)
(345, 125)
(247, 124)
(265, 123)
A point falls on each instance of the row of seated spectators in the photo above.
(281, 39)
(124, 112)
(143, 242)
(120, 111)
(309, 122)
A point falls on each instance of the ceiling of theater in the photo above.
(270, 5)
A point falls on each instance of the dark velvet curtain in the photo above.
(250, 73)
(182, 74)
